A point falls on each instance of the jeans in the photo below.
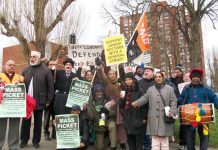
(147, 142)
(182, 137)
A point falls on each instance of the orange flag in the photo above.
(139, 42)
(143, 38)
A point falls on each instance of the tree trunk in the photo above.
(195, 45)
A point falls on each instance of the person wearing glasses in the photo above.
(10, 77)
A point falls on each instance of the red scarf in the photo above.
(128, 97)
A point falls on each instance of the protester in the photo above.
(145, 83)
(112, 91)
(88, 74)
(96, 108)
(83, 127)
(168, 82)
(10, 77)
(196, 92)
(62, 86)
(138, 73)
(186, 79)
(39, 84)
(156, 126)
(133, 118)
(49, 111)
(176, 79)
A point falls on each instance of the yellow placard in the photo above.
(115, 52)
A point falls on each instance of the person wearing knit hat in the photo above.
(135, 131)
(196, 92)
(196, 72)
(75, 108)
(129, 75)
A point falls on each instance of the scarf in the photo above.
(159, 85)
(129, 91)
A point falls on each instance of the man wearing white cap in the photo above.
(39, 84)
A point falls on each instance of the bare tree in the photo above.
(212, 64)
(128, 8)
(71, 24)
(31, 20)
(189, 23)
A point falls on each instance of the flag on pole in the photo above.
(139, 42)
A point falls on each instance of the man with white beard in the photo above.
(39, 84)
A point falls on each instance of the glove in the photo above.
(104, 110)
(98, 61)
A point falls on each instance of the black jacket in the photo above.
(146, 83)
(133, 118)
(63, 83)
(43, 87)
(62, 87)
(177, 81)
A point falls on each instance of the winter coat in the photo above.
(155, 123)
(176, 81)
(133, 118)
(112, 92)
(43, 87)
(144, 84)
(93, 115)
(202, 94)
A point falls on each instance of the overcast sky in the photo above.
(97, 28)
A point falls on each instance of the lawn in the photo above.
(213, 133)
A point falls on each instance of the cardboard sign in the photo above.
(115, 52)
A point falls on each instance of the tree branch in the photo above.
(59, 16)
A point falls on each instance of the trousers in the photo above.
(13, 132)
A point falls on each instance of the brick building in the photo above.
(15, 53)
(168, 45)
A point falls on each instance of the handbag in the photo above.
(167, 119)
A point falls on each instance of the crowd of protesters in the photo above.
(132, 103)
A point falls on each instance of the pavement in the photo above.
(51, 145)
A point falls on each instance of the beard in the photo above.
(35, 63)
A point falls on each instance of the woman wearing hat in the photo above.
(133, 118)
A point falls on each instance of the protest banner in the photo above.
(67, 131)
(84, 53)
(13, 101)
(115, 52)
(79, 93)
